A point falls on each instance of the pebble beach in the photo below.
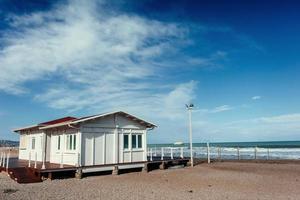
(219, 180)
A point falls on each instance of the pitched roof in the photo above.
(73, 120)
(135, 118)
(56, 121)
(42, 124)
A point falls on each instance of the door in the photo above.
(88, 149)
(99, 153)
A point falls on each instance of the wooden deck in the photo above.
(20, 171)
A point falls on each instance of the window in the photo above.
(125, 141)
(136, 141)
(58, 142)
(33, 143)
(133, 139)
(139, 141)
(23, 142)
(71, 142)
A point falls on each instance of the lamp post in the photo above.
(189, 108)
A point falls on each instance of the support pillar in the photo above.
(145, 168)
(78, 173)
(162, 166)
(115, 170)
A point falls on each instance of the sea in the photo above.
(272, 150)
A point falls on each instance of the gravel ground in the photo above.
(225, 180)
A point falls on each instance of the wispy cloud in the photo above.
(256, 97)
(222, 109)
(88, 58)
(79, 56)
(217, 109)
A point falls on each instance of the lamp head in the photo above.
(189, 106)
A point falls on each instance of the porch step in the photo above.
(24, 175)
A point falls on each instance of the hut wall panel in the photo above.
(110, 148)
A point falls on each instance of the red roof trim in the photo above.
(56, 121)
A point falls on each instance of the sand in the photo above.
(220, 180)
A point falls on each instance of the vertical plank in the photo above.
(145, 146)
(80, 147)
(104, 148)
(130, 145)
(93, 149)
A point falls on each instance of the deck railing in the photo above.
(166, 153)
(4, 160)
(225, 153)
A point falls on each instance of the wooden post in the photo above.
(151, 159)
(208, 153)
(43, 164)
(29, 159)
(181, 152)
(35, 159)
(3, 160)
(50, 176)
(162, 153)
(44, 156)
(1, 155)
(61, 160)
(78, 160)
(238, 153)
(7, 161)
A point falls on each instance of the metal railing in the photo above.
(225, 153)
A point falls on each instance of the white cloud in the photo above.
(221, 109)
(87, 58)
(84, 46)
(256, 97)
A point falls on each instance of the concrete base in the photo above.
(115, 170)
(189, 164)
(145, 168)
(78, 173)
(163, 166)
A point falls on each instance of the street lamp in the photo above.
(189, 108)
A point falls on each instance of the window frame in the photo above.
(23, 142)
(137, 139)
(71, 142)
(33, 143)
(58, 147)
(126, 135)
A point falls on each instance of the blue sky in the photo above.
(236, 61)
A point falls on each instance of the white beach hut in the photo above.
(98, 140)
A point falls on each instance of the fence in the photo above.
(225, 153)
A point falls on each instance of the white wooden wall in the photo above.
(102, 141)
(99, 141)
(26, 150)
(63, 155)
